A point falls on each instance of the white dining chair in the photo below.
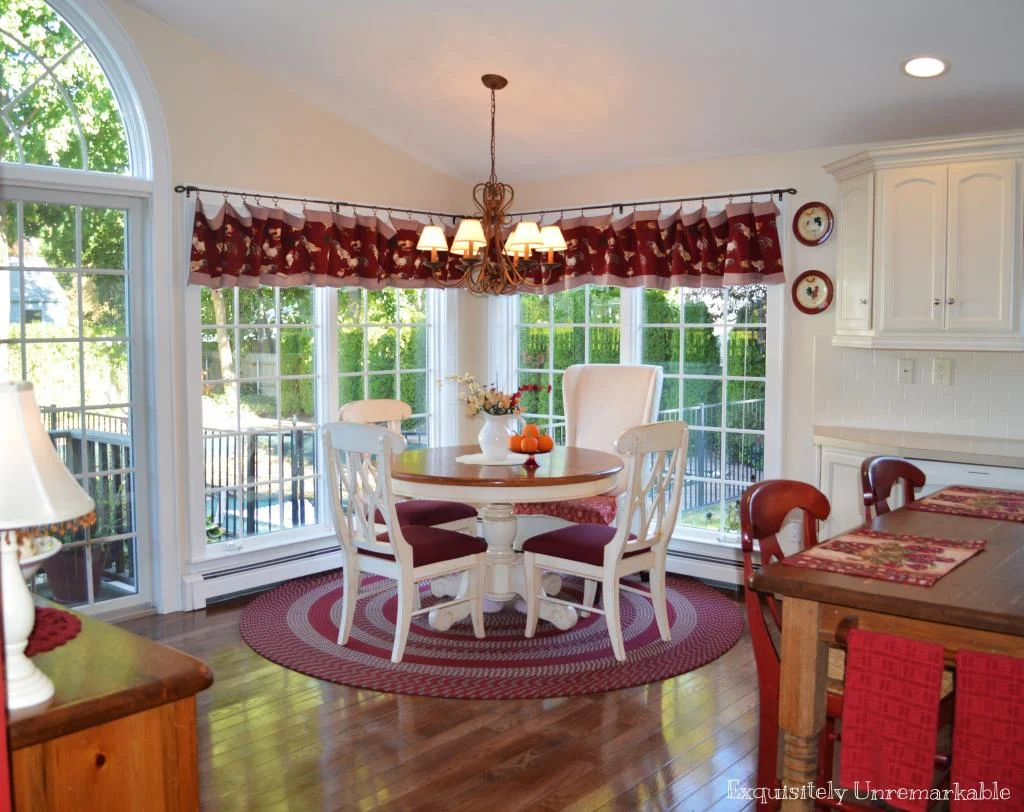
(359, 470)
(456, 516)
(655, 457)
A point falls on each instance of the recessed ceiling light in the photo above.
(925, 67)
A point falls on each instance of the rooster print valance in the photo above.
(252, 246)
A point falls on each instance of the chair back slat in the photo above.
(764, 508)
(359, 466)
(879, 474)
(649, 506)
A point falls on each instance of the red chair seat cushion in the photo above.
(433, 544)
(429, 512)
(591, 510)
(584, 543)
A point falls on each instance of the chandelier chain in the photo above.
(494, 176)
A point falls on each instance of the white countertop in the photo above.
(959, 448)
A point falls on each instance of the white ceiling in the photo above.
(605, 83)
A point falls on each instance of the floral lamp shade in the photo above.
(36, 488)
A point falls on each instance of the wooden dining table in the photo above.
(565, 473)
(978, 606)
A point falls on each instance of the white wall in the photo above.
(230, 126)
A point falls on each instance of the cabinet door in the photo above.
(840, 482)
(910, 249)
(856, 223)
(982, 246)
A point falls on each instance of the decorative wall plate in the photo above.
(812, 223)
(812, 292)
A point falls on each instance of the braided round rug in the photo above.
(296, 625)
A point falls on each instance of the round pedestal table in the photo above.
(565, 473)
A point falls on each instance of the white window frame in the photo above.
(206, 559)
(504, 356)
(148, 185)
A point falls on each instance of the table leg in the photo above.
(802, 692)
(505, 578)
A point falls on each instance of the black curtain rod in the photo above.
(338, 204)
(634, 203)
(334, 204)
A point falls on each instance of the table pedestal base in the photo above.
(505, 577)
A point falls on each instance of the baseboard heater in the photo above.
(206, 588)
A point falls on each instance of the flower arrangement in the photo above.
(490, 399)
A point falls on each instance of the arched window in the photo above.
(58, 108)
(72, 275)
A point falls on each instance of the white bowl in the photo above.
(48, 548)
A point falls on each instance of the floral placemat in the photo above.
(982, 503)
(903, 558)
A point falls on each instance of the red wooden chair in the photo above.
(763, 509)
(878, 475)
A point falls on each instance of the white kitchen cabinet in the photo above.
(911, 248)
(929, 253)
(839, 480)
(857, 204)
(984, 232)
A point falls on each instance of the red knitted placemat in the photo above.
(54, 627)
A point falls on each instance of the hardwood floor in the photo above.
(273, 739)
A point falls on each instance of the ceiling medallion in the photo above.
(488, 265)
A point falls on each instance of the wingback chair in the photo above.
(601, 402)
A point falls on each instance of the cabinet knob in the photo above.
(936, 301)
(950, 300)
(863, 301)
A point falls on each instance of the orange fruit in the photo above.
(529, 445)
(545, 443)
(515, 443)
(531, 430)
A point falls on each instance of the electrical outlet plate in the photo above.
(905, 370)
(942, 371)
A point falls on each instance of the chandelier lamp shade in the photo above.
(492, 263)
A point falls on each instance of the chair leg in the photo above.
(589, 595)
(610, 599)
(532, 598)
(477, 583)
(406, 588)
(658, 597)
(767, 751)
(826, 752)
(349, 598)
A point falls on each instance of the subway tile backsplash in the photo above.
(856, 387)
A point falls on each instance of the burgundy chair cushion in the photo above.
(433, 544)
(591, 510)
(584, 543)
(429, 512)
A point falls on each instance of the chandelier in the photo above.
(487, 265)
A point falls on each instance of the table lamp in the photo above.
(35, 490)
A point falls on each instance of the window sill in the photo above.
(259, 549)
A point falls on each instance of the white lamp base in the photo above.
(26, 684)
(33, 688)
